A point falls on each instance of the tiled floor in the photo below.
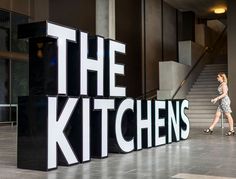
(201, 156)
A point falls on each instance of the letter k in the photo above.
(56, 132)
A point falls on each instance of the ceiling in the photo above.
(202, 8)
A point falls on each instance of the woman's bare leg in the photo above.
(215, 120)
(231, 121)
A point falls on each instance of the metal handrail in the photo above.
(146, 94)
(207, 49)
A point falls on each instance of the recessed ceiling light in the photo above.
(219, 11)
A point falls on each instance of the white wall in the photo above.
(189, 52)
(171, 75)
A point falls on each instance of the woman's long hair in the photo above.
(223, 75)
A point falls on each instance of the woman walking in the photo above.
(224, 106)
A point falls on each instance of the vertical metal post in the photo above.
(144, 50)
(144, 87)
(222, 120)
(10, 66)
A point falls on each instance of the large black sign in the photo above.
(75, 111)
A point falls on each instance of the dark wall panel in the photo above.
(128, 31)
(231, 14)
(153, 43)
(186, 26)
(74, 13)
(169, 33)
(129, 16)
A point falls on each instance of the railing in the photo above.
(10, 106)
(206, 50)
(148, 95)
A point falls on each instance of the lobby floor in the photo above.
(200, 157)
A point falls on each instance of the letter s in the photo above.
(184, 120)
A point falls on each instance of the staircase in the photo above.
(201, 110)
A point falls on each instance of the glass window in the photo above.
(20, 82)
(18, 45)
(19, 69)
(13, 73)
(4, 31)
(4, 64)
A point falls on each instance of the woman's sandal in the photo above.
(208, 131)
(229, 133)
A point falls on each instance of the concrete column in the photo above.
(105, 18)
(231, 15)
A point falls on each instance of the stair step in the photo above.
(210, 92)
(207, 121)
(207, 116)
(204, 125)
(208, 80)
(203, 103)
(212, 78)
(215, 68)
(193, 111)
(199, 99)
(202, 89)
(200, 125)
(201, 96)
(202, 99)
(217, 65)
(200, 120)
(191, 107)
(211, 73)
(205, 83)
(207, 77)
(205, 86)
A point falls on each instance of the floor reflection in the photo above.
(210, 155)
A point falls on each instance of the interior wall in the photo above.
(79, 14)
(186, 26)
(144, 41)
(128, 31)
(169, 33)
(153, 43)
(231, 14)
(39, 10)
(22, 6)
